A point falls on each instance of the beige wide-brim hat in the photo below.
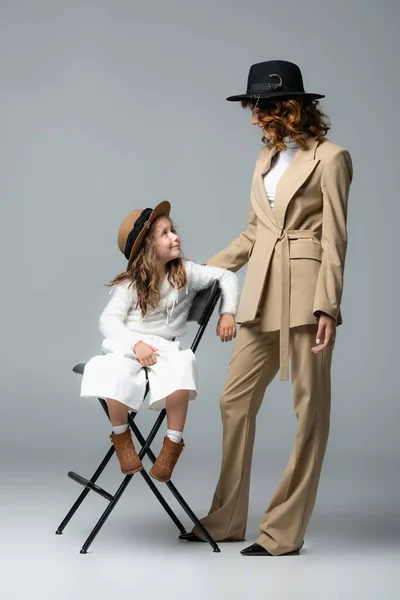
(135, 227)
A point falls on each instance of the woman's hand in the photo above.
(226, 327)
(146, 354)
(326, 333)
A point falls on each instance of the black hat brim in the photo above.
(272, 95)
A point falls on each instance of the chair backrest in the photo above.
(204, 303)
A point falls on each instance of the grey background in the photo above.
(111, 106)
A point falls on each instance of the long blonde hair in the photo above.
(143, 273)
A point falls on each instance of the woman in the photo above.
(295, 247)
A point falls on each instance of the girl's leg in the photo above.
(118, 412)
(176, 407)
(121, 438)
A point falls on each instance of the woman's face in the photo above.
(255, 114)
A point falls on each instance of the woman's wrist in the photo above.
(321, 313)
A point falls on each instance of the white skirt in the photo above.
(117, 374)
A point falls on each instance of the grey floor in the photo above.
(352, 548)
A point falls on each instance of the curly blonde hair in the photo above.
(143, 273)
(292, 118)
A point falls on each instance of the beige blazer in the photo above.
(296, 252)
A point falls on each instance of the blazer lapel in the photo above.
(265, 161)
(293, 178)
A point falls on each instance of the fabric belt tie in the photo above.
(284, 238)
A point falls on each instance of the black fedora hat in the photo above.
(274, 79)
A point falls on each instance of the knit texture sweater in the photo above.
(281, 162)
(122, 319)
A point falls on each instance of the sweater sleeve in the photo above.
(112, 319)
(201, 276)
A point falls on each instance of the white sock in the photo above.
(175, 436)
(117, 429)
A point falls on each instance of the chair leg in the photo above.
(106, 514)
(115, 499)
(147, 450)
(85, 492)
(112, 504)
(143, 451)
(193, 517)
(162, 500)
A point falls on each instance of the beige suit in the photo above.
(295, 255)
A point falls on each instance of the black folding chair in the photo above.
(200, 312)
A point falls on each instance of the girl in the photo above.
(148, 309)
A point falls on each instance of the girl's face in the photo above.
(167, 244)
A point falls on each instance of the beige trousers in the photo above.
(254, 364)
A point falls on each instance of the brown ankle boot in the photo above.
(125, 450)
(167, 459)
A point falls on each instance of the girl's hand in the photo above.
(326, 333)
(226, 327)
(146, 354)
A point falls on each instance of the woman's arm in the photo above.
(335, 184)
(237, 254)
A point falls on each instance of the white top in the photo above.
(283, 160)
(122, 321)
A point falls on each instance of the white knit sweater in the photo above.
(122, 321)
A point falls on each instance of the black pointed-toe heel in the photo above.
(257, 550)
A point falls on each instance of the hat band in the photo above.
(134, 233)
(271, 87)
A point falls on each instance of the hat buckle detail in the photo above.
(277, 84)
